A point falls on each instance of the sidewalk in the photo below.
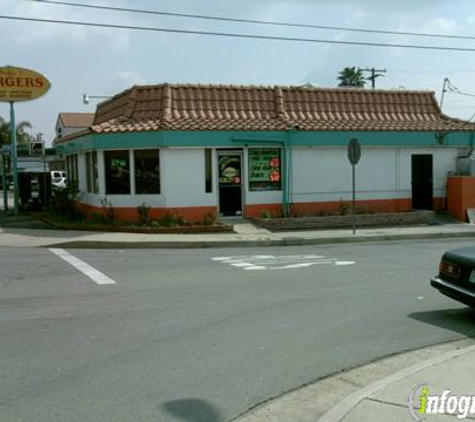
(384, 390)
(245, 235)
(404, 395)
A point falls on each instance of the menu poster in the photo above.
(264, 169)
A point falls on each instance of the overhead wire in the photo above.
(452, 88)
(252, 21)
(234, 35)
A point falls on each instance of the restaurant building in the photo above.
(252, 150)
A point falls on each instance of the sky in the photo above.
(105, 61)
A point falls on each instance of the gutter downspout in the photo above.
(287, 167)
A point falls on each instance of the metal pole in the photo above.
(4, 183)
(353, 208)
(446, 81)
(14, 158)
(44, 176)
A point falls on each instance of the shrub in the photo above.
(265, 214)
(173, 219)
(344, 208)
(64, 203)
(143, 212)
(108, 211)
(209, 219)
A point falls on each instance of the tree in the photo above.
(22, 136)
(351, 76)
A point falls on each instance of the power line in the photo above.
(253, 21)
(431, 71)
(234, 35)
(452, 88)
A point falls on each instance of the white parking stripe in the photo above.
(86, 269)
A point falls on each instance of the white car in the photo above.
(58, 178)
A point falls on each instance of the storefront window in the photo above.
(147, 171)
(208, 170)
(117, 172)
(95, 173)
(88, 172)
(265, 169)
(92, 174)
(72, 169)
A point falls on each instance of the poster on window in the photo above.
(264, 169)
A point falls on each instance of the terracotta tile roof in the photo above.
(77, 119)
(266, 108)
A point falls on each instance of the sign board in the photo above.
(264, 169)
(6, 149)
(18, 84)
(354, 151)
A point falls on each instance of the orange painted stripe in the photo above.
(130, 214)
(333, 207)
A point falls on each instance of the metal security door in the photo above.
(230, 183)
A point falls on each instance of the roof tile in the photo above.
(265, 108)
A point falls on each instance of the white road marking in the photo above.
(86, 269)
(283, 262)
(342, 263)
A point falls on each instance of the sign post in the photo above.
(6, 150)
(18, 84)
(354, 155)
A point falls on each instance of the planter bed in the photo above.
(345, 221)
(216, 228)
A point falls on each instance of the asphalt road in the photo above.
(203, 335)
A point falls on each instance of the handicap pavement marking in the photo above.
(283, 262)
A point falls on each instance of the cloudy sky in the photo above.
(105, 61)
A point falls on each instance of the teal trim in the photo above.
(244, 139)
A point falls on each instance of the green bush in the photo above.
(143, 212)
(173, 219)
(209, 219)
(108, 211)
(64, 203)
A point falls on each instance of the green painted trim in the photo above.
(244, 139)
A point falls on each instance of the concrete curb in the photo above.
(289, 241)
(343, 408)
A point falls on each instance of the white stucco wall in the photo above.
(318, 175)
(183, 178)
(324, 174)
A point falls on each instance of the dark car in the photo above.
(456, 277)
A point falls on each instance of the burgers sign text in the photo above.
(17, 84)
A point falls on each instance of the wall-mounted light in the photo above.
(86, 99)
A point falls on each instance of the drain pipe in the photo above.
(287, 169)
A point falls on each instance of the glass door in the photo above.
(230, 183)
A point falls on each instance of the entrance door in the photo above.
(422, 186)
(230, 183)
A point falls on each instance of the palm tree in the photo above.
(22, 136)
(351, 76)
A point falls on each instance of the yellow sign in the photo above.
(17, 84)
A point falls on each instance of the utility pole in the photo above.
(375, 73)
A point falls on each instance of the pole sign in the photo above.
(354, 151)
(6, 149)
(354, 155)
(18, 84)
